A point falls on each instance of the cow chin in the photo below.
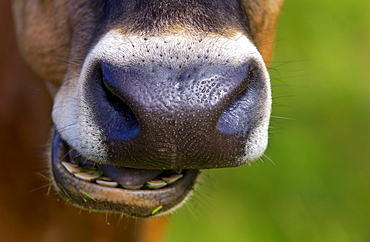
(148, 112)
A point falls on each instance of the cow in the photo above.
(146, 93)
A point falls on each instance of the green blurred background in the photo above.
(317, 188)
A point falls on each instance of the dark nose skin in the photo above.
(181, 118)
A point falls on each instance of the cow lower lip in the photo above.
(94, 197)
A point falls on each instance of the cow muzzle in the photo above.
(146, 108)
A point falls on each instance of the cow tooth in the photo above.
(87, 176)
(136, 187)
(105, 181)
(156, 184)
(172, 178)
(72, 168)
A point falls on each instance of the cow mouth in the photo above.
(101, 187)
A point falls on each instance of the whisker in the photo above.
(49, 185)
(272, 116)
(39, 188)
(264, 155)
(285, 96)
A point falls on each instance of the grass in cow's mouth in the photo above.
(86, 170)
(89, 196)
(157, 209)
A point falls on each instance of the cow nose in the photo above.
(184, 117)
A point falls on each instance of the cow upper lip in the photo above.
(91, 196)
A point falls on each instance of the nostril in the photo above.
(124, 117)
(239, 114)
(233, 118)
